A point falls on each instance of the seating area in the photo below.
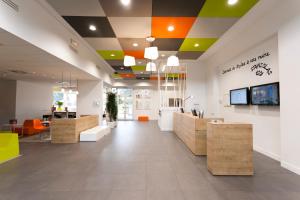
(31, 127)
(143, 118)
(94, 134)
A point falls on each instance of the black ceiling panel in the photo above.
(168, 44)
(82, 24)
(177, 8)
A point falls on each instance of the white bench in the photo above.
(94, 134)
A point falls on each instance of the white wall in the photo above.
(195, 86)
(33, 99)
(89, 101)
(289, 67)
(37, 23)
(154, 109)
(265, 120)
(7, 100)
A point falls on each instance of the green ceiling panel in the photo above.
(111, 55)
(197, 44)
(138, 68)
(220, 8)
(116, 76)
(173, 75)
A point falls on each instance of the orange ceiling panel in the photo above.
(136, 54)
(182, 26)
(155, 78)
(127, 75)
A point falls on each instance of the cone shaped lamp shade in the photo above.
(151, 67)
(173, 61)
(129, 61)
(151, 53)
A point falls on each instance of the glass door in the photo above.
(125, 104)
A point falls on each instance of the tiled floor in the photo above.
(135, 162)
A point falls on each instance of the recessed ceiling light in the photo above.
(196, 45)
(232, 2)
(171, 28)
(126, 2)
(112, 55)
(135, 44)
(92, 27)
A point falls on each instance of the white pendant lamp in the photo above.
(151, 67)
(173, 61)
(129, 61)
(151, 53)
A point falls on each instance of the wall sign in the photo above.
(258, 65)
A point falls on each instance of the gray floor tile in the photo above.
(136, 161)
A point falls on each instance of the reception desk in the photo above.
(230, 148)
(68, 130)
(192, 131)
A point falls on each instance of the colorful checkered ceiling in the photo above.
(121, 30)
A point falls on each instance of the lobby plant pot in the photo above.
(112, 109)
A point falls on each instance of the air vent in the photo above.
(18, 72)
(11, 4)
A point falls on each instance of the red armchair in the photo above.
(32, 127)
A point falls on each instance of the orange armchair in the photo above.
(32, 127)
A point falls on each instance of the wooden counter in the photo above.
(230, 148)
(192, 131)
(68, 130)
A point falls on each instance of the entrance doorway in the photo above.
(125, 103)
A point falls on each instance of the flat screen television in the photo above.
(267, 94)
(239, 96)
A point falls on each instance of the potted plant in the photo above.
(59, 104)
(112, 109)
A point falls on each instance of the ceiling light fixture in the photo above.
(135, 44)
(151, 67)
(196, 45)
(92, 27)
(150, 39)
(171, 28)
(112, 55)
(129, 61)
(173, 61)
(126, 2)
(232, 2)
(151, 53)
(163, 55)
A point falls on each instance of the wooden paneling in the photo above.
(68, 130)
(192, 131)
(230, 149)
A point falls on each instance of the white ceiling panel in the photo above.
(131, 27)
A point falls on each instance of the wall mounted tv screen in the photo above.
(239, 96)
(267, 94)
